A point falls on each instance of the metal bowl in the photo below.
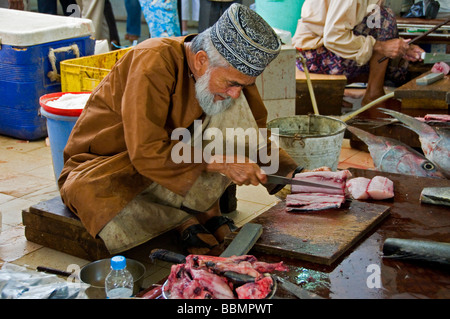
(95, 274)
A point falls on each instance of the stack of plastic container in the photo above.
(31, 47)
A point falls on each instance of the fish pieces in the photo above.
(209, 277)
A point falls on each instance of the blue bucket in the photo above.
(59, 128)
(280, 14)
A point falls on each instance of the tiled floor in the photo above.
(26, 178)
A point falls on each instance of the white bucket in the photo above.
(311, 140)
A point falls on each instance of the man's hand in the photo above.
(414, 53)
(399, 48)
(16, 4)
(241, 170)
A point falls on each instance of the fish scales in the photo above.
(435, 143)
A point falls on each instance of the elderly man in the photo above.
(127, 177)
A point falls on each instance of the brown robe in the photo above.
(121, 142)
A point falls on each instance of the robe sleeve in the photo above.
(146, 109)
(338, 36)
(285, 163)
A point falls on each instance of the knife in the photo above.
(420, 37)
(299, 292)
(275, 179)
(429, 58)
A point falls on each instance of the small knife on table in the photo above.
(275, 179)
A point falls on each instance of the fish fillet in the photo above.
(357, 188)
(380, 188)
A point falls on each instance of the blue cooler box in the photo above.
(31, 47)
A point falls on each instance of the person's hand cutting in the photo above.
(241, 170)
(395, 48)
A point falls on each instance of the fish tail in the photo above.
(364, 136)
(413, 124)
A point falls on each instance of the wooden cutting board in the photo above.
(321, 236)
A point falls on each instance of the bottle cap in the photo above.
(118, 262)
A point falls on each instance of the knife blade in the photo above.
(296, 290)
(429, 58)
(244, 240)
(275, 179)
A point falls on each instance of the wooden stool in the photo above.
(328, 90)
(51, 224)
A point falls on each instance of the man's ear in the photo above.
(201, 62)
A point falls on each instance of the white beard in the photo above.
(206, 98)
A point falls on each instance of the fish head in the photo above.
(411, 163)
(392, 156)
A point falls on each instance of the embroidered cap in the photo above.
(245, 40)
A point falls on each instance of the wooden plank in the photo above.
(319, 237)
(51, 224)
(55, 209)
(244, 240)
(435, 95)
(416, 103)
(328, 90)
(300, 75)
(65, 245)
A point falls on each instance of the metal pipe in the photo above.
(347, 117)
(310, 87)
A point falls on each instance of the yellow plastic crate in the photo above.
(84, 74)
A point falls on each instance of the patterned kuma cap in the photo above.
(245, 40)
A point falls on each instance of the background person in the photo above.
(189, 10)
(133, 20)
(348, 37)
(211, 10)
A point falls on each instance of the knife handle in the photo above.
(167, 255)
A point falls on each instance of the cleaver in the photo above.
(240, 245)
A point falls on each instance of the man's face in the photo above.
(218, 87)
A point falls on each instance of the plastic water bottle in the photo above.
(119, 282)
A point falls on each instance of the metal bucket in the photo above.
(311, 140)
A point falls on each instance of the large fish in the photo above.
(392, 156)
(435, 142)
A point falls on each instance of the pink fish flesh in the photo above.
(357, 188)
(313, 201)
(337, 179)
(437, 118)
(200, 277)
(441, 67)
(255, 290)
(307, 198)
(380, 188)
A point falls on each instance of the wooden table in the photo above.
(433, 96)
(362, 272)
(358, 272)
